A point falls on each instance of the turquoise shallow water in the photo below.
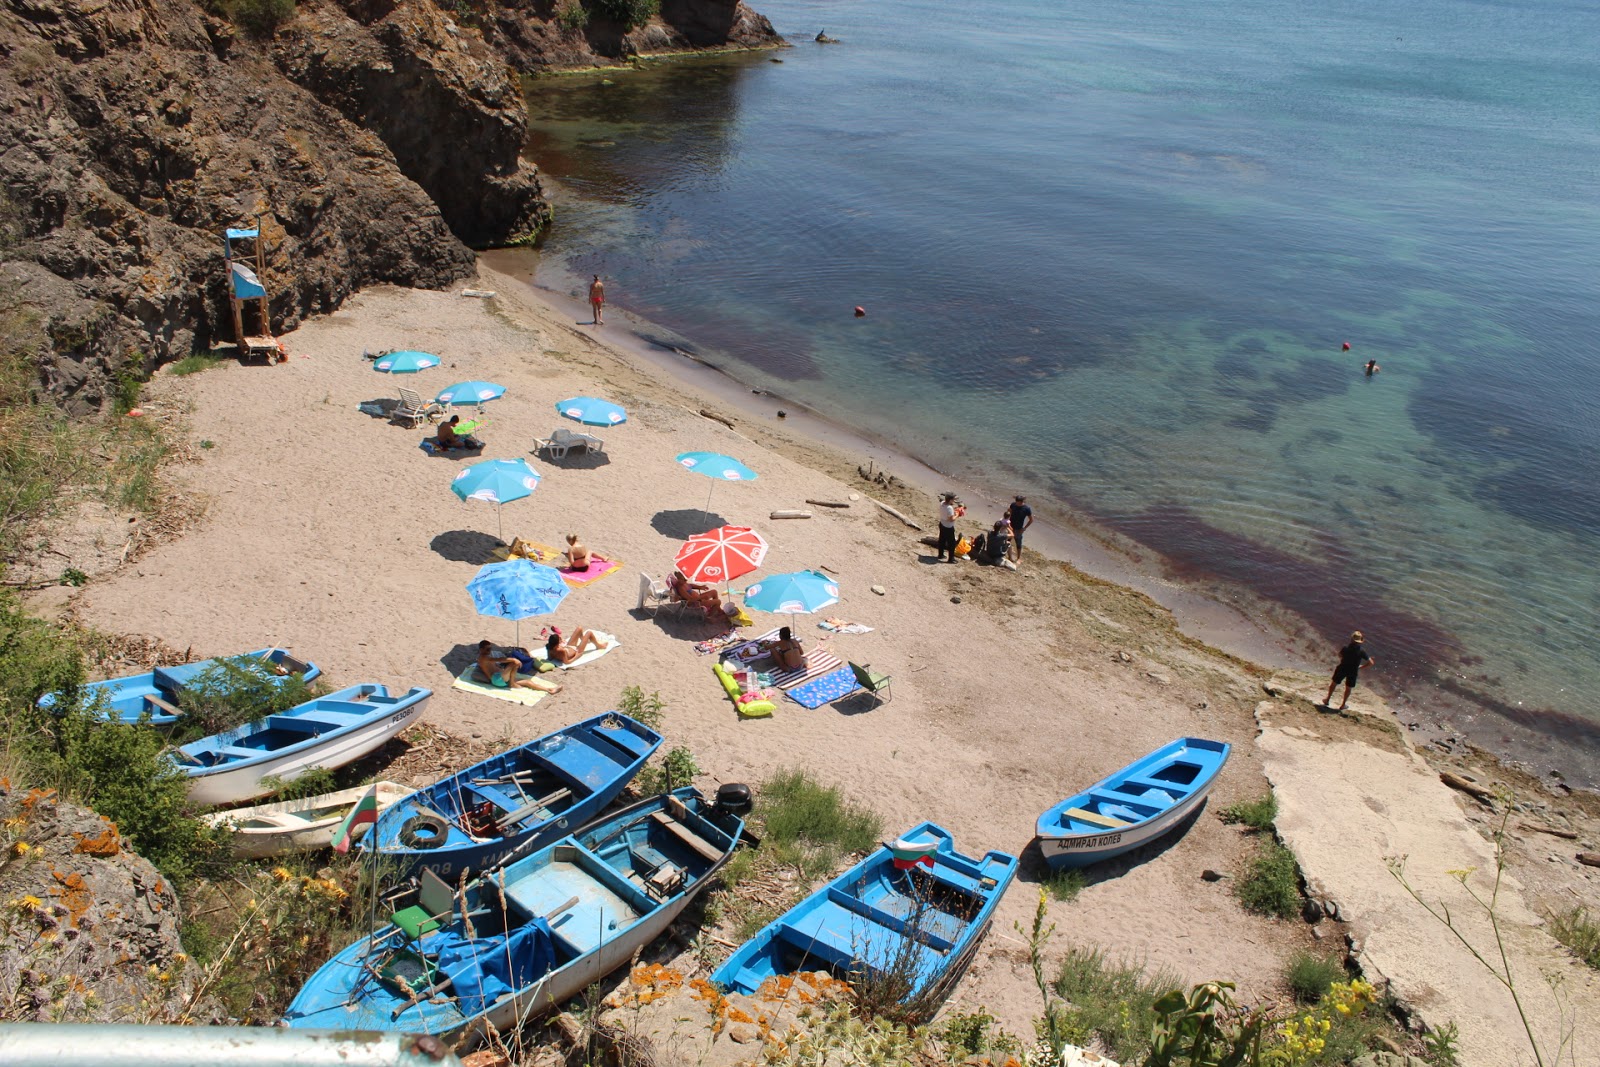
(1109, 255)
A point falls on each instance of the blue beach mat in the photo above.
(824, 690)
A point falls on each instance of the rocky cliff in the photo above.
(375, 140)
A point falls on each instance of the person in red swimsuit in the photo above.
(597, 299)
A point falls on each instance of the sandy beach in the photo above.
(332, 532)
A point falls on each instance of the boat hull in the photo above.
(282, 828)
(603, 870)
(923, 922)
(129, 698)
(235, 783)
(1183, 772)
(588, 763)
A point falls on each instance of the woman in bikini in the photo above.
(578, 556)
(558, 651)
(787, 652)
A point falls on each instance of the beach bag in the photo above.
(963, 547)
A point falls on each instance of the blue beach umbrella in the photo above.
(592, 411)
(496, 481)
(464, 393)
(405, 362)
(517, 589)
(718, 467)
(796, 593)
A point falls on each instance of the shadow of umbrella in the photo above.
(465, 546)
(684, 523)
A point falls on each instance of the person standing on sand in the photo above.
(1021, 516)
(597, 299)
(949, 510)
(1352, 658)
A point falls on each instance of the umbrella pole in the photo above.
(705, 513)
(500, 522)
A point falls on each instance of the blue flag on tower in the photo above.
(246, 286)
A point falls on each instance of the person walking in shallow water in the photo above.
(1352, 658)
(597, 299)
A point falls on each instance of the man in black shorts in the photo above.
(1021, 516)
(1352, 658)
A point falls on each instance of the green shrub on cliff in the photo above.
(571, 15)
(630, 13)
(256, 17)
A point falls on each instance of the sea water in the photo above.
(1110, 254)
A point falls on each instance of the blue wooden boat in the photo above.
(156, 692)
(525, 797)
(331, 731)
(1141, 802)
(529, 935)
(922, 921)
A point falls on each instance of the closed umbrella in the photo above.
(718, 467)
(405, 362)
(497, 481)
(796, 593)
(721, 555)
(517, 589)
(592, 411)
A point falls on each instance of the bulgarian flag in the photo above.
(907, 854)
(365, 813)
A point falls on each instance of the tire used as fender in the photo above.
(424, 831)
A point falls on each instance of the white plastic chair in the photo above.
(414, 408)
(653, 592)
(586, 441)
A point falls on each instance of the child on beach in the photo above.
(1352, 658)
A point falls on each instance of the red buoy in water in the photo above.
(861, 312)
(1347, 346)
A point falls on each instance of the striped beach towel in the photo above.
(818, 661)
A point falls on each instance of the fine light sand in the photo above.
(331, 532)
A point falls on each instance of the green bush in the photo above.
(194, 364)
(1271, 882)
(314, 782)
(1257, 814)
(1066, 884)
(571, 15)
(1579, 931)
(677, 768)
(233, 692)
(646, 709)
(1113, 1003)
(1309, 976)
(809, 825)
(974, 1034)
(121, 771)
(629, 13)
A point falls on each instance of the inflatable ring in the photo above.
(424, 831)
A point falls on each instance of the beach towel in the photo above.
(745, 649)
(527, 697)
(824, 690)
(725, 641)
(818, 661)
(840, 626)
(608, 642)
(552, 557)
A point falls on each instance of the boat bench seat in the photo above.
(297, 724)
(239, 751)
(842, 939)
(962, 883)
(892, 921)
(1152, 783)
(334, 719)
(627, 739)
(498, 796)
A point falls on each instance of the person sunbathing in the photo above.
(448, 438)
(557, 650)
(501, 671)
(786, 651)
(704, 597)
(578, 555)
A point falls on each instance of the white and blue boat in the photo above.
(1145, 800)
(524, 797)
(156, 693)
(529, 935)
(916, 908)
(329, 732)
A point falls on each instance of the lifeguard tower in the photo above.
(245, 284)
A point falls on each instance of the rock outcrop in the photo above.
(90, 930)
(531, 35)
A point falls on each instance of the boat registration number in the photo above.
(401, 716)
(1091, 842)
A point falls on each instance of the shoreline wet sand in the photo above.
(332, 532)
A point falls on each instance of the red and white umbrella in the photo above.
(721, 555)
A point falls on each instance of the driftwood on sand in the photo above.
(790, 515)
(1472, 789)
(714, 417)
(827, 503)
(1539, 828)
(1589, 859)
(897, 514)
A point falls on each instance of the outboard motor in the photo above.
(733, 798)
